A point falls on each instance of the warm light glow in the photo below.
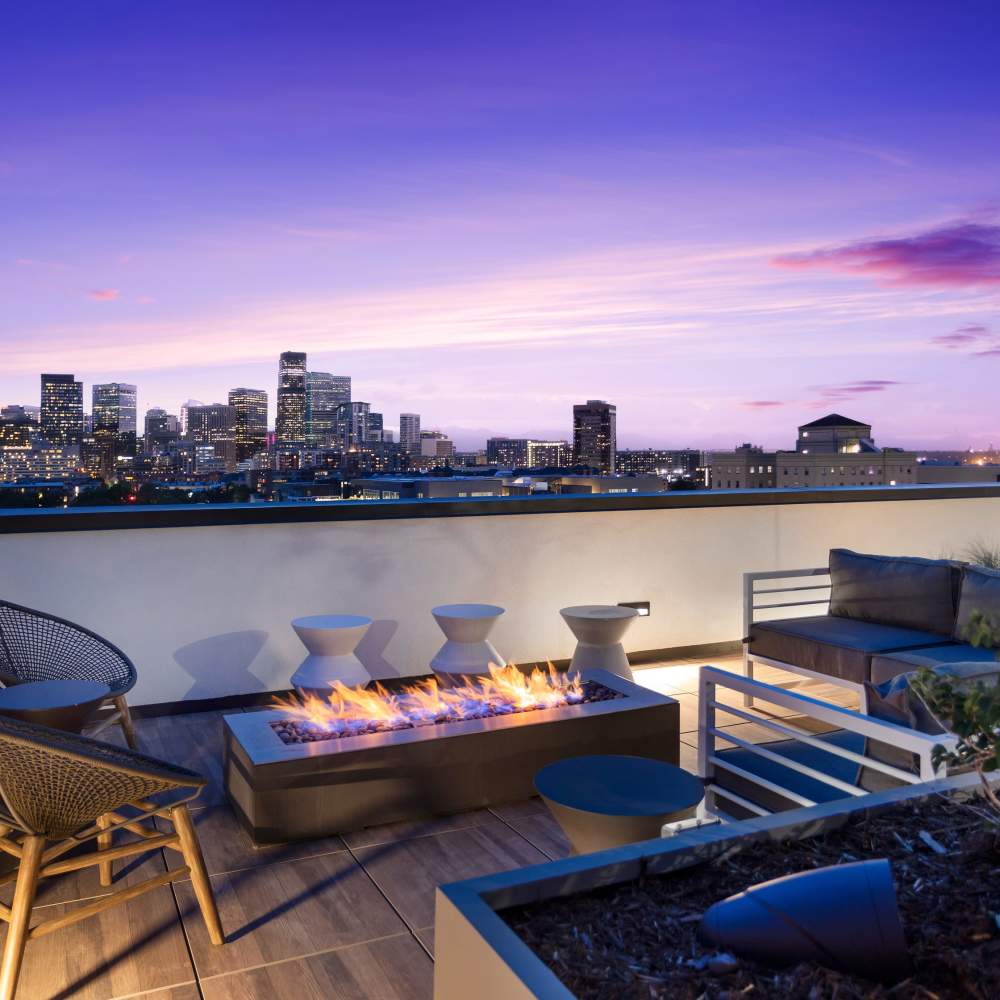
(353, 711)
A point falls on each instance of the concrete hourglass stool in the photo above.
(331, 641)
(467, 650)
(599, 629)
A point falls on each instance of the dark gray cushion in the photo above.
(980, 592)
(895, 590)
(839, 647)
(888, 665)
(895, 701)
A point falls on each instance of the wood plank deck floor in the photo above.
(337, 919)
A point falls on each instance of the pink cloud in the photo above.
(960, 255)
(144, 300)
(971, 333)
(764, 404)
(103, 294)
(851, 390)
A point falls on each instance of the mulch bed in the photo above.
(639, 939)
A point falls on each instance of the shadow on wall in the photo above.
(371, 649)
(220, 665)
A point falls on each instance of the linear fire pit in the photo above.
(294, 791)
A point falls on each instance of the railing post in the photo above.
(748, 581)
(706, 740)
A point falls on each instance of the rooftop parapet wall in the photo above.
(203, 608)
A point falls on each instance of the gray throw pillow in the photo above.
(904, 591)
(980, 592)
(896, 701)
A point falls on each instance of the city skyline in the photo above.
(727, 222)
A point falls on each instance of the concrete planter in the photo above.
(474, 945)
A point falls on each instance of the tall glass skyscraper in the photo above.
(409, 432)
(114, 414)
(62, 409)
(290, 426)
(250, 406)
(324, 394)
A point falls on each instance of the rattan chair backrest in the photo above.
(55, 783)
(35, 646)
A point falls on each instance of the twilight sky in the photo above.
(726, 217)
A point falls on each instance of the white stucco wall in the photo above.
(204, 612)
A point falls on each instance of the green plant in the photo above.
(970, 711)
(983, 553)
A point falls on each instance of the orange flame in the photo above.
(353, 711)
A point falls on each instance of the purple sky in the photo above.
(726, 217)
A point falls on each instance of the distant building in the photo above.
(114, 414)
(594, 435)
(683, 463)
(953, 472)
(435, 448)
(607, 484)
(409, 432)
(526, 453)
(835, 435)
(213, 427)
(290, 425)
(160, 430)
(250, 421)
(831, 451)
(325, 393)
(375, 427)
(429, 488)
(184, 414)
(62, 409)
(747, 467)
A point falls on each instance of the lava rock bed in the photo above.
(292, 731)
(639, 939)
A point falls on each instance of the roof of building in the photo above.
(835, 420)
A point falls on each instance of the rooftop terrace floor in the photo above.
(345, 918)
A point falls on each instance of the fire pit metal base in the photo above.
(287, 792)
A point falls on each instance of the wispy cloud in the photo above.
(103, 294)
(959, 255)
(853, 390)
(765, 404)
(970, 333)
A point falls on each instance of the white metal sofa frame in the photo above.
(710, 763)
(752, 593)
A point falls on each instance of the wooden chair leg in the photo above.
(193, 858)
(20, 915)
(128, 727)
(104, 841)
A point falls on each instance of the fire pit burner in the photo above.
(308, 731)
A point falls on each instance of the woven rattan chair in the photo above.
(35, 646)
(60, 790)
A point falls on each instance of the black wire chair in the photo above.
(35, 646)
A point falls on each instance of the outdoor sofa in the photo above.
(884, 615)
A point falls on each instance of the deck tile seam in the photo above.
(406, 932)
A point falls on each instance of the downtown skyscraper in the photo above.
(62, 409)
(290, 426)
(250, 429)
(595, 435)
(325, 393)
(114, 414)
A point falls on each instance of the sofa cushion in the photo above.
(894, 590)
(888, 665)
(896, 701)
(840, 647)
(980, 592)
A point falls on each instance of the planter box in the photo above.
(473, 944)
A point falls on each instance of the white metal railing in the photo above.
(710, 762)
(758, 599)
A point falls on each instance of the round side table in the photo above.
(599, 629)
(467, 650)
(60, 704)
(331, 641)
(606, 801)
